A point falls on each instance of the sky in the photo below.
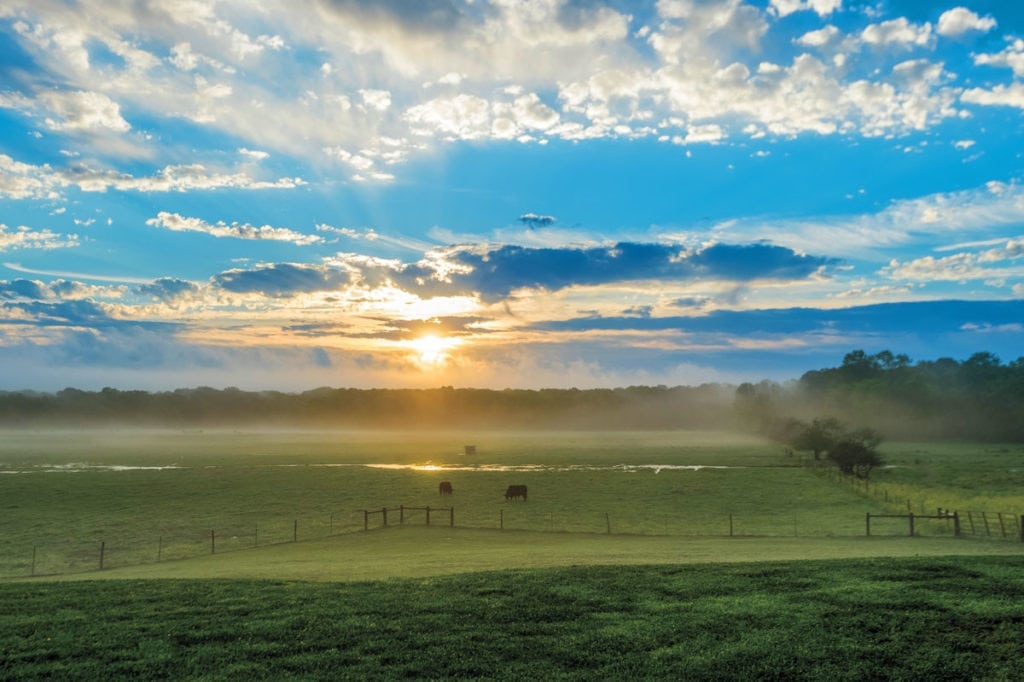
(504, 194)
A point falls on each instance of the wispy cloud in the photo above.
(22, 180)
(178, 223)
(92, 277)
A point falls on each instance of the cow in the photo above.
(445, 488)
(515, 491)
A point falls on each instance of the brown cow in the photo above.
(445, 488)
(515, 491)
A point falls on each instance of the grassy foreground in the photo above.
(923, 618)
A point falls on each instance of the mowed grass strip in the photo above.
(949, 618)
(414, 552)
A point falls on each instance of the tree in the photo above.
(820, 436)
(855, 452)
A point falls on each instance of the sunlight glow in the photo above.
(432, 350)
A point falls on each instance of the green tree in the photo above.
(856, 452)
(820, 436)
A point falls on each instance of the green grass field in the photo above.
(149, 496)
(725, 559)
(954, 618)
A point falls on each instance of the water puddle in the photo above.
(77, 467)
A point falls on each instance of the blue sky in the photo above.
(504, 194)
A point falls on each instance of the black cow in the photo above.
(445, 488)
(515, 491)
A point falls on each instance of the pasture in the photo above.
(158, 496)
(656, 555)
(955, 618)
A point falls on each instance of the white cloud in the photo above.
(898, 32)
(77, 110)
(231, 68)
(379, 100)
(23, 181)
(1012, 57)
(1001, 95)
(823, 7)
(818, 38)
(254, 154)
(706, 30)
(959, 20)
(909, 221)
(465, 117)
(707, 133)
(961, 267)
(23, 237)
(178, 223)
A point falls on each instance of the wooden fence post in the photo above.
(1022, 527)
(956, 524)
(428, 515)
(34, 557)
(985, 519)
(384, 511)
(366, 520)
(295, 531)
(1002, 528)
(451, 516)
(970, 520)
(911, 517)
(867, 523)
(730, 525)
(213, 546)
(103, 547)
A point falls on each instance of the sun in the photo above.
(432, 350)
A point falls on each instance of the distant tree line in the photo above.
(979, 398)
(636, 407)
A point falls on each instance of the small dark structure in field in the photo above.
(469, 450)
(515, 491)
(445, 488)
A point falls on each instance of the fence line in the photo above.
(104, 553)
(978, 523)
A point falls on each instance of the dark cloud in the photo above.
(535, 221)
(496, 273)
(691, 302)
(167, 288)
(282, 279)
(638, 311)
(756, 261)
(74, 313)
(22, 288)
